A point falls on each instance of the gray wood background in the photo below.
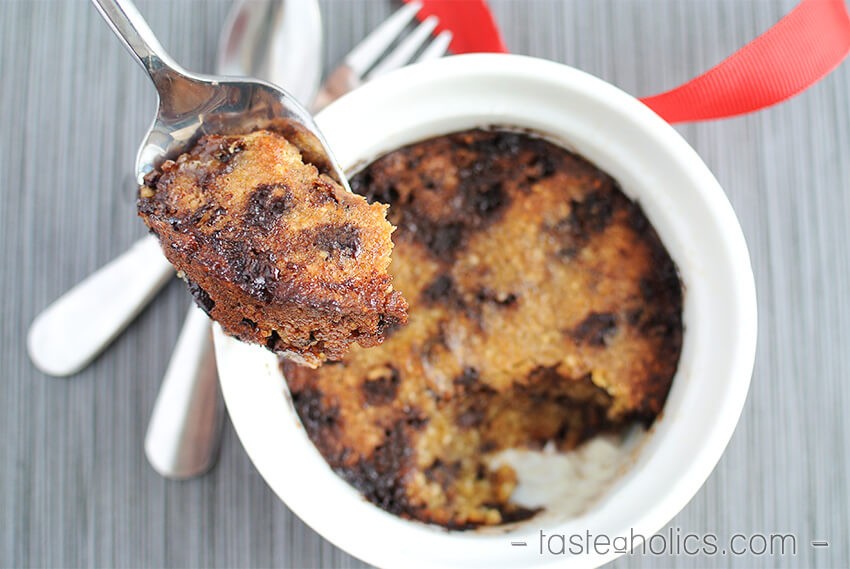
(75, 490)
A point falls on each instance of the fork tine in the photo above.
(404, 52)
(436, 48)
(375, 44)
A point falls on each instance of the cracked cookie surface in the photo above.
(543, 308)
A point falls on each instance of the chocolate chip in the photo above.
(503, 142)
(438, 289)
(388, 195)
(489, 200)
(586, 218)
(634, 316)
(591, 215)
(500, 298)
(388, 324)
(568, 252)
(273, 341)
(202, 299)
(266, 204)
(468, 377)
(542, 166)
(198, 214)
(595, 329)
(320, 420)
(151, 178)
(470, 417)
(381, 191)
(445, 239)
(475, 412)
(663, 281)
(442, 473)
(363, 183)
(381, 385)
(512, 513)
(663, 324)
(339, 241)
(257, 275)
(227, 150)
(636, 218)
(380, 476)
(415, 417)
(255, 272)
(508, 142)
(326, 192)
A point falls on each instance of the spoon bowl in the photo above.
(192, 105)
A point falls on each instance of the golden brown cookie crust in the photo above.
(277, 253)
(543, 307)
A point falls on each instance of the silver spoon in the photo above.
(276, 40)
(191, 104)
(279, 41)
(188, 413)
(183, 432)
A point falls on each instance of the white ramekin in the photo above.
(696, 223)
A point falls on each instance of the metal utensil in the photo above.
(369, 58)
(279, 41)
(183, 424)
(72, 331)
(59, 342)
(184, 432)
(76, 327)
(181, 453)
(192, 104)
(189, 106)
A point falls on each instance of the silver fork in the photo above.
(364, 62)
(187, 402)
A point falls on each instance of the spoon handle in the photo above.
(128, 24)
(69, 333)
(185, 428)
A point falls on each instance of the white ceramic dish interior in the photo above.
(696, 223)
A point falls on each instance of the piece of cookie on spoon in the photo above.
(276, 252)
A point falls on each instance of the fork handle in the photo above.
(128, 24)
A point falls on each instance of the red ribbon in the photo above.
(803, 47)
(472, 25)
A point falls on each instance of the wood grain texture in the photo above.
(75, 490)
